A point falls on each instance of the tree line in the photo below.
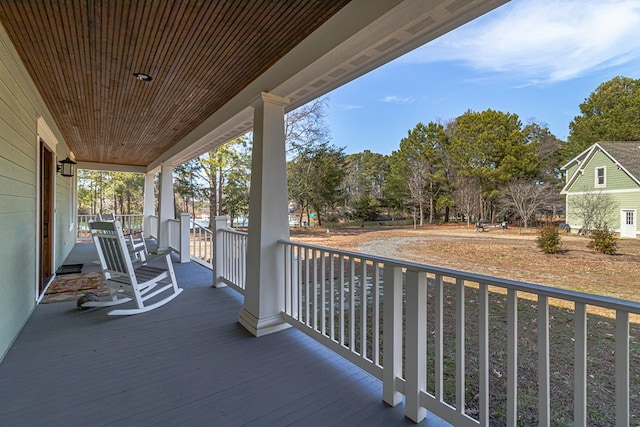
(486, 165)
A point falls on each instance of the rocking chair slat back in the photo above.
(112, 248)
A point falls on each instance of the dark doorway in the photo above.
(47, 164)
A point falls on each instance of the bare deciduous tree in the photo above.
(305, 127)
(595, 209)
(467, 197)
(526, 198)
(417, 181)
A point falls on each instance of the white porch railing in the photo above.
(174, 234)
(389, 318)
(130, 223)
(201, 244)
(154, 225)
(178, 238)
(231, 254)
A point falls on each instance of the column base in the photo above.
(218, 282)
(264, 326)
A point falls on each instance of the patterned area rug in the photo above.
(70, 287)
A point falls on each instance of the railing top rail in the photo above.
(194, 224)
(564, 294)
(232, 231)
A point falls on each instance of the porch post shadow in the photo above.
(268, 222)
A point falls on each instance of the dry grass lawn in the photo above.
(510, 254)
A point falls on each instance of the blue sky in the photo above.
(538, 59)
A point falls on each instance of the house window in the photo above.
(629, 217)
(601, 180)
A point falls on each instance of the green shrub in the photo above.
(603, 240)
(549, 239)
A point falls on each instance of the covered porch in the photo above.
(189, 362)
(195, 360)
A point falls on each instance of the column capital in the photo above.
(269, 98)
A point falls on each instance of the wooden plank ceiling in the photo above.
(82, 55)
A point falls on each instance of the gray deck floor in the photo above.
(186, 363)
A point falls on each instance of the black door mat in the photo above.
(69, 269)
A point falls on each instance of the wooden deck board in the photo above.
(188, 362)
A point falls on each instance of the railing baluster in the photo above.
(332, 289)
(352, 303)
(544, 415)
(243, 261)
(238, 257)
(323, 298)
(580, 365)
(232, 265)
(483, 335)
(342, 260)
(392, 329)
(622, 368)
(363, 308)
(231, 262)
(460, 350)
(314, 301)
(300, 283)
(512, 357)
(235, 266)
(287, 279)
(307, 280)
(439, 323)
(375, 314)
(294, 282)
(416, 343)
(224, 255)
(228, 251)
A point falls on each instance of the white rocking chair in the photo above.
(129, 280)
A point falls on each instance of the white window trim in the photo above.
(596, 184)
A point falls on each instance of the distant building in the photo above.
(611, 168)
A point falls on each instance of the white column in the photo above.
(166, 209)
(149, 207)
(185, 237)
(264, 289)
(218, 251)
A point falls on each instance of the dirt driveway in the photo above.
(511, 254)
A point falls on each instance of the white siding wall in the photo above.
(20, 108)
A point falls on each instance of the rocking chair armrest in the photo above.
(154, 256)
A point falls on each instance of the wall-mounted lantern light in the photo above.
(66, 167)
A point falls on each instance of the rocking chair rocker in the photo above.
(129, 280)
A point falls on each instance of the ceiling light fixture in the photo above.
(142, 76)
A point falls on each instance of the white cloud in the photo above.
(347, 107)
(544, 41)
(398, 100)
